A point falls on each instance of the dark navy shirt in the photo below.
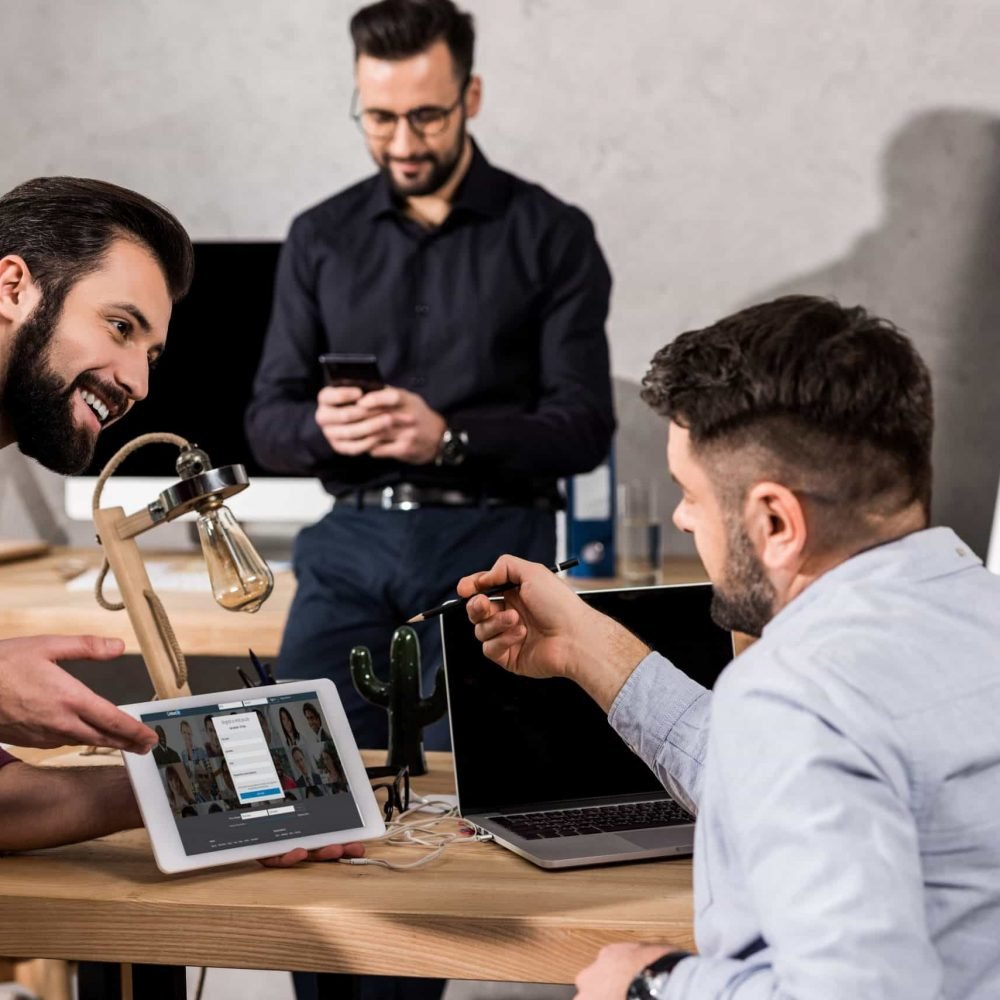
(496, 319)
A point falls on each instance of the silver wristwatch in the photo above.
(654, 976)
(452, 449)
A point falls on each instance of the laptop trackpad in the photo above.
(650, 839)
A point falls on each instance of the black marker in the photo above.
(262, 671)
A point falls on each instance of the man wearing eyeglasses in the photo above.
(483, 299)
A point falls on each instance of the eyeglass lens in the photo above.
(424, 121)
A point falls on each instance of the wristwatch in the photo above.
(452, 449)
(644, 986)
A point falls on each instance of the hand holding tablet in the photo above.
(270, 774)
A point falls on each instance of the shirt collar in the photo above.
(921, 555)
(484, 191)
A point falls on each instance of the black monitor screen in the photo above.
(520, 741)
(201, 386)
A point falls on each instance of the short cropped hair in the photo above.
(63, 226)
(399, 29)
(831, 401)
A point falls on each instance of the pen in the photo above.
(243, 677)
(259, 667)
(492, 592)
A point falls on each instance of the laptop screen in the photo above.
(520, 742)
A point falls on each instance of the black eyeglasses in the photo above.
(397, 791)
(426, 121)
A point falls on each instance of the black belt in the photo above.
(407, 496)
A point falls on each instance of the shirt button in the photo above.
(422, 310)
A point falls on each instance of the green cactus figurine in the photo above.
(400, 696)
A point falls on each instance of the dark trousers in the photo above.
(360, 574)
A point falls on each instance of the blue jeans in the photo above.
(361, 572)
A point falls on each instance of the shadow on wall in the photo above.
(933, 268)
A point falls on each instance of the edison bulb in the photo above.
(241, 580)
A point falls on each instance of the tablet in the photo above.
(246, 774)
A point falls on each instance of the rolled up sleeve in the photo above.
(663, 716)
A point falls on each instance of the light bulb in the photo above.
(241, 580)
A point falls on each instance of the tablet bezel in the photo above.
(168, 850)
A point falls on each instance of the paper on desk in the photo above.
(162, 576)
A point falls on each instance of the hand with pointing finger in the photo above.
(43, 706)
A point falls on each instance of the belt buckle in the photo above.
(399, 497)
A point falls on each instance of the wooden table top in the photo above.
(477, 912)
(34, 600)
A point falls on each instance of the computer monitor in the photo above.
(200, 390)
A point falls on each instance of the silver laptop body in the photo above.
(536, 762)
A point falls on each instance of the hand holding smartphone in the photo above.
(360, 370)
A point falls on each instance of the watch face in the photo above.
(654, 976)
(453, 447)
(639, 988)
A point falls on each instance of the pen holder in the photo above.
(400, 696)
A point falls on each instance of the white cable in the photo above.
(406, 831)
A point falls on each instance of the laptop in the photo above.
(536, 762)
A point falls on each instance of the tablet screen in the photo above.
(247, 772)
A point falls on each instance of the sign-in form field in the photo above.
(248, 758)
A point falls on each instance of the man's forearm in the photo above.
(49, 806)
(606, 656)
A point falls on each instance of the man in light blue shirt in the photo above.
(847, 788)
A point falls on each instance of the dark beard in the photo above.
(744, 600)
(440, 174)
(39, 405)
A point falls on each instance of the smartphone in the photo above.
(359, 370)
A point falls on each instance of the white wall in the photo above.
(726, 150)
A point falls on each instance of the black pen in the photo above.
(247, 683)
(492, 592)
(259, 667)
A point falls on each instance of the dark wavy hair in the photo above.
(398, 29)
(830, 400)
(63, 226)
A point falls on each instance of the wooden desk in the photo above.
(34, 600)
(479, 912)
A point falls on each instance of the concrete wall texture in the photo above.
(727, 151)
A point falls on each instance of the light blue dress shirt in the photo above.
(848, 789)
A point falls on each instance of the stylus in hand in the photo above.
(456, 602)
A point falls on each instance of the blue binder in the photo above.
(590, 520)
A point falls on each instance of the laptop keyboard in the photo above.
(598, 819)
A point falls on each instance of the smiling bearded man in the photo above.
(88, 276)
(89, 273)
(38, 405)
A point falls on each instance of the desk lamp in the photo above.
(241, 580)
